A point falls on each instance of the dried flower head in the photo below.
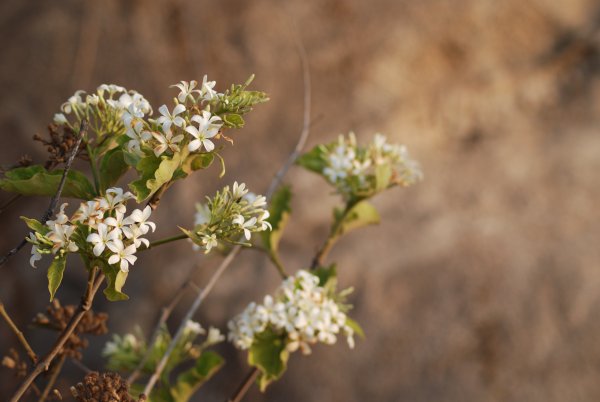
(103, 387)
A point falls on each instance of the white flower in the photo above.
(111, 88)
(130, 113)
(102, 238)
(192, 327)
(186, 90)
(134, 233)
(138, 136)
(245, 225)
(214, 336)
(141, 218)
(264, 225)
(59, 235)
(60, 118)
(167, 119)
(166, 141)
(89, 212)
(123, 254)
(60, 219)
(92, 99)
(239, 190)
(209, 242)
(35, 253)
(118, 221)
(114, 199)
(73, 102)
(207, 91)
(208, 127)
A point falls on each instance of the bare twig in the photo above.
(9, 202)
(93, 285)
(165, 313)
(305, 120)
(81, 366)
(18, 333)
(244, 386)
(55, 373)
(56, 197)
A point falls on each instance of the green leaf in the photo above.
(313, 160)
(360, 215)
(115, 279)
(269, 355)
(155, 172)
(191, 380)
(35, 180)
(279, 212)
(132, 159)
(197, 162)
(35, 225)
(356, 327)
(112, 167)
(383, 176)
(233, 120)
(109, 143)
(55, 273)
(327, 275)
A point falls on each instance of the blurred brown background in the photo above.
(481, 284)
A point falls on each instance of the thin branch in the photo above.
(81, 366)
(188, 316)
(9, 202)
(55, 373)
(244, 386)
(84, 306)
(18, 333)
(164, 241)
(54, 201)
(305, 121)
(165, 313)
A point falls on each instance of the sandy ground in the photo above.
(481, 283)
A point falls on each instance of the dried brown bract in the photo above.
(13, 361)
(60, 142)
(58, 318)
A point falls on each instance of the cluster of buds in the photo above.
(125, 352)
(229, 215)
(300, 311)
(108, 110)
(99, 227)
(361, 172)
(185, 126)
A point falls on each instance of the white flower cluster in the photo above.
(184, 125)
(110, 104)
(119, 344)
(227, 216)
(300, 311)
(352, 168)
(193, 329)
(100, 224)
(124, 352)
